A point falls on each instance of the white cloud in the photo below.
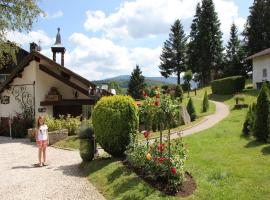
(32, 36)
(142, 18)
(99, 58)
(54, 15)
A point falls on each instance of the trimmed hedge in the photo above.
(115, 121)
(229, 85)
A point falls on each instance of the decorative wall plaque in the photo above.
(41, 110)
(5, 99)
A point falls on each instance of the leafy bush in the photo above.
(72, 124)
(115, 122)
(87, 143)
(249, 121)
(179, 93)
(156, 164)
(229, 85)
(205, 103)
(261, 124)
(191, 110)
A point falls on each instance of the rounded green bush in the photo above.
(115, 121)
(87, 143)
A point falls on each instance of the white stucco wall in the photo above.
(259, 64)
(28, 77)
(43, 83)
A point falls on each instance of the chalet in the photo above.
(41, 86)
(261, 67)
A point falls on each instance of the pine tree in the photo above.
(206, 42)
(193, 52)
(205, 104)
(173, 56)
(179, 93)
(136, 83)
(191, 110)
(234, 59)
(257, 30)
(261, 126)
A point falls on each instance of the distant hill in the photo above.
(124, 79)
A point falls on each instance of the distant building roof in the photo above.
(259, 54)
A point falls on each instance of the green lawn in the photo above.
(71, 142)
(224, 164)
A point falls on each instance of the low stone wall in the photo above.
(54, 136)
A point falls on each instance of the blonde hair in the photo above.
(40, 118)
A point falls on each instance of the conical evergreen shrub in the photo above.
(261, 126)
(179, 93)
(205, 106)
(248, 126)
(191, 110)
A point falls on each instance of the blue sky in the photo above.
(106, 38)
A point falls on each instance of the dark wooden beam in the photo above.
(67, 102)
(62, 79)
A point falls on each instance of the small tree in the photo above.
(136, 84)
(188, 77)
(248, 126)
(179, 93)
(191, 110)
(261, 126)
(205, 106)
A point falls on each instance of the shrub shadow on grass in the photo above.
(266, 150)
(253, 143)
(95, 165)
(117, 173)
(72, 170)
(220, 98)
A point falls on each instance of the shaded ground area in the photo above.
(61, 179)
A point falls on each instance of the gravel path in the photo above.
(222, 111)
(61, 179)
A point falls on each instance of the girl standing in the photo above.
(42, 140)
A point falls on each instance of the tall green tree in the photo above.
(173, 56)
(206, 42)
(193, 51)
(234, 58)
(136, 83)
(257, 30)
(15, 16)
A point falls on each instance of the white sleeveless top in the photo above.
(43, 133)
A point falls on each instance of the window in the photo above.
(264, 73)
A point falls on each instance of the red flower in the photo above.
(157, 96)
(161, 147)
(173, 170)
(146, 134)
(161, 159)
(156, 103)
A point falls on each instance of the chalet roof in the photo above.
(259, 54)
(35, 55)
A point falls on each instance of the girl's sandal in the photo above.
(44, 164)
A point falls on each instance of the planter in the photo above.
(31, 134)
(55, 136)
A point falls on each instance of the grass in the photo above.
(224, 164)
(71, 142)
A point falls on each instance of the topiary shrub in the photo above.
(205, 103)
(115, 121)
(261, 124)
(229, 85)
(191, 110)
(179, 93)
(87, 143)
(249, 121)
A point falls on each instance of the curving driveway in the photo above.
(61, 179)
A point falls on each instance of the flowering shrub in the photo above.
(162, 161)
(157, 164)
